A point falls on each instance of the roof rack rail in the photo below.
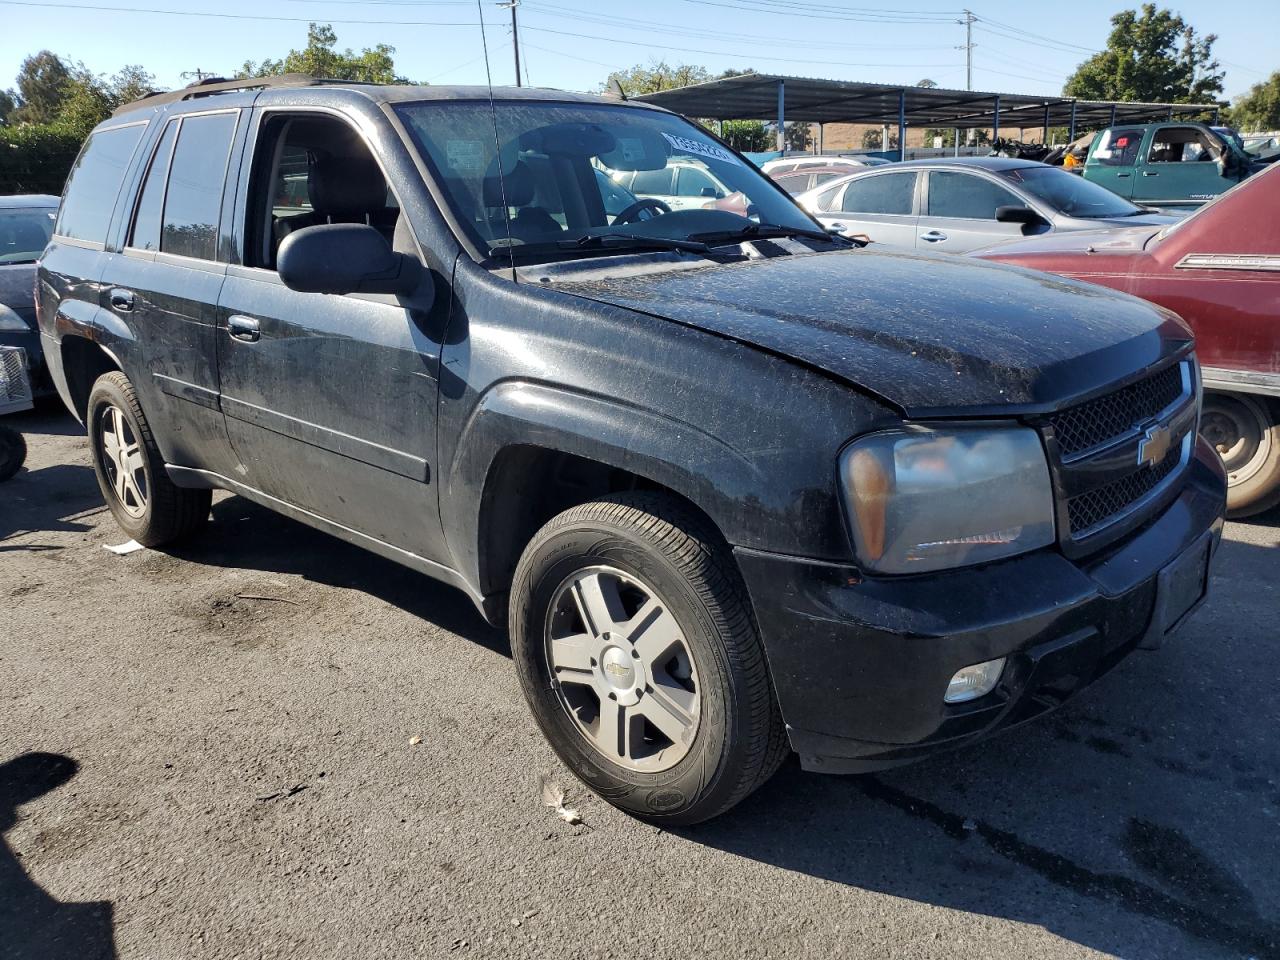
(212, 85)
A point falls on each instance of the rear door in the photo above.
(960, 212)
(882, 206)
(1113, 157)
(166, 280)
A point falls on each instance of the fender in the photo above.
(89, 322)
(676, 454)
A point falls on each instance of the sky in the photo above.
(1020, 46)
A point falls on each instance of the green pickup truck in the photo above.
(1169, 166)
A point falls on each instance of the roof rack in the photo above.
(212, 85)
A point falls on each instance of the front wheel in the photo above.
(1245, 430)
(13, 452)
(146, 504)
(634, 641)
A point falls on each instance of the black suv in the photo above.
(732, 482)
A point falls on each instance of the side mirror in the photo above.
(1023, 215)
(711, 193)
(342, 258)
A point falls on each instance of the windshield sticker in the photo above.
(465, 156)
(701, 149)
(632, 149)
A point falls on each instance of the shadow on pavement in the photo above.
(47, 500)
(244, 535)
(1139, 820)
(32, 923)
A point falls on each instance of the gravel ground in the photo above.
(223, 775)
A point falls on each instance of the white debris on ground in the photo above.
(553, 797)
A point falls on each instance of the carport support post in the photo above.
(955, 141)
(995, 120)
(1071, 128)
(820, 126)
(782, 130)
(1113, 116)
(1045, 139)
(902, 124)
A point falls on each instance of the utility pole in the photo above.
(967, 23)
(197, 73)
(515, 34)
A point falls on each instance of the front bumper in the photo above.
(29, 340)
(860, 665)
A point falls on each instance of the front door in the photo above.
(329, 401)
(960, 212)
(1181, 168)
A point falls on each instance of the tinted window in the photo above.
(966, 196)
(794, 183)
(1067, 193)
(825, 199)
(1117, 147)
(652, 182)
(196, 178)
(146, 224)
(95, 182)
(884, 193)
(24, 231)
(819, 178)
(692, 182)
(1179, 145)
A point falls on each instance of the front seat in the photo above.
(343, 188)
(516, 188)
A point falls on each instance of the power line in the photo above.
(232, 16)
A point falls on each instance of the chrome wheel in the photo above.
(122, 460)
(1238, 427)
(621, 667)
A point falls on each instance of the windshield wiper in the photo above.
(592, 241)
(762, 231)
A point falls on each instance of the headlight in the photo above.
(11, 322)
(922, 499)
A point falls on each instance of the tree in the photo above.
(658, 75)
(749, 136)
(130, 83)
(42, 82)
(1259, 109)
(8, 103)
(799, 136)
(1152, 55)
(321, 58)
(872, 139)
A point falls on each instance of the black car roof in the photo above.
(289, 85)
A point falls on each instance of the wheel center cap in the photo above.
(618, 668)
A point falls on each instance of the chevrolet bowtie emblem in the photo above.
(1154, 446)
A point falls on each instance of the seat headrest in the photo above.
(346, 185)
(517, 184)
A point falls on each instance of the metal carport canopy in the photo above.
(759, 96)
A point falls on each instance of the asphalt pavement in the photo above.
(268, 743)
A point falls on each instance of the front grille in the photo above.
(15, 389)
(1090, 509)
(1097, 421)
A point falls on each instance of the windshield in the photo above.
(572, 174)
(1069, 194)
(24, 231)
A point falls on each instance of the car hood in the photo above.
(930, 334)
(1110, 223)
(17, 287)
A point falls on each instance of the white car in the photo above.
(683, 184)
(789, 164)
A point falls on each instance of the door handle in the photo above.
(1122, 176)
(121, 300)
(1149, 173)
(244, 328)
(933, 236)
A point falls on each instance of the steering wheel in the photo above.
(633, 210)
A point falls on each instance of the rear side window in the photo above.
(967, 197)
(795, 183)
(197, 174)
(146, 225)
(889, 193)
(94, 183)
(1117, 147)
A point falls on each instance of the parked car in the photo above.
(781, 165)
(686, 183)
(732, 483)
(1220, 270)
(15, 396)
(26, 223)
(1171, 166)
(959, 204)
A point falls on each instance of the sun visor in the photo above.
(637, 149)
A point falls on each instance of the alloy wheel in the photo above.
(122, 460)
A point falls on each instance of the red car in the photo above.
(1219, 269)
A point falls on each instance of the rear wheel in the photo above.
(13, 452)
(146, 504)
(634, 642)
(1245, 430)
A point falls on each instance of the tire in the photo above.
(148, 506)
(13, 452)
(1245, 430)
(663, 572)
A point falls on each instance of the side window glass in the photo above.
(1117, 147)
(291, 196)
(95, 182)
(653, 182)
(693, 182)
(197, 176)
(1179, 145)
(146, 224)
(794, 183)
(967, 197)
(825, 199)
(885, 193)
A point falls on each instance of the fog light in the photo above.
(975, 681)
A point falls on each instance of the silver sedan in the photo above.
(961, 204)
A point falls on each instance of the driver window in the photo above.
(311, 170)
(1180, 145)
